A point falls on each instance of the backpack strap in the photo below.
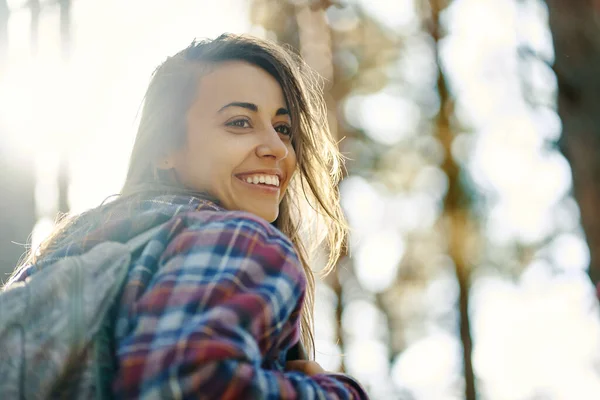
(103, 341)
(143, 238)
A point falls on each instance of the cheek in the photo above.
(215, 165)
(194, 164)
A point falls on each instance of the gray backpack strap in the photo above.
(104, 357)
(143, 238)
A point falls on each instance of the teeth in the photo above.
(264, 179)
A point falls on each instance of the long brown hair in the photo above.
(314, 187)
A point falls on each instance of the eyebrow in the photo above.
(252, 107)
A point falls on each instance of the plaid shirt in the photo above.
(210, 307)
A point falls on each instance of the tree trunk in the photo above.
(455, 210)
(17, 207)
(4, 13)
(65, 44)
(576, 34)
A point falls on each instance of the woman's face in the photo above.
(238, 146)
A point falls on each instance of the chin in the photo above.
(268, 215)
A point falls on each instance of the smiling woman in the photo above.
(232, 142)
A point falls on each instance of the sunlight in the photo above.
(388, 118)
(569, 252)
(398, 15)
(435, 358)
(549, 323)
(363, 204)
(377, 259)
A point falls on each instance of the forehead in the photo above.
(239, 81)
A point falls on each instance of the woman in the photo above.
(232, 141)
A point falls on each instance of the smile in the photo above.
(262, 179)
(264, 183)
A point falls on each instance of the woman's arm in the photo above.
(228, 293)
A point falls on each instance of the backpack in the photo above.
(56, 327)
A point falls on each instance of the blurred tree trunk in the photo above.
(65, 44)
(34, 26)
(4, 13)
(17, 180)
(456, 213)
(575, 26)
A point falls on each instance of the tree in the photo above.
(17, 204)
(576, 33)
(456, 207)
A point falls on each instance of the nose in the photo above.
(271, 146)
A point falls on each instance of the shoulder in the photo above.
(219, 229)
(219, 245)
(205, 221)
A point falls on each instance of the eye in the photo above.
(284, 129)
(239, 123)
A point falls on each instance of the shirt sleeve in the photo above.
(227, 295)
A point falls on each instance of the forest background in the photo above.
(473, 178)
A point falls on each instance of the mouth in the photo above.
(265, 182)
